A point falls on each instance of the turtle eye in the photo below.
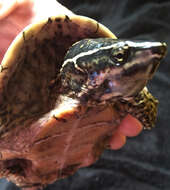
(120, 56)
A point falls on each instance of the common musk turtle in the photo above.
(65, 85)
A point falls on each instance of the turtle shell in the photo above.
(45, 136)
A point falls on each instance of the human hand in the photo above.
(129, 127)
(16, 14)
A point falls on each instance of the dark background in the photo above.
(144, 162)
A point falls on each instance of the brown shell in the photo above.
(45, 136)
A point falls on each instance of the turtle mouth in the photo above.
(154, 67)
(160, 51)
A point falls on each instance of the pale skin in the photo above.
(16, 14)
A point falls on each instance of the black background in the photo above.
(144, 162)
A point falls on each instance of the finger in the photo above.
(6, 7)
(22, 14)
(130, 126)
(117, 141)
(54, 8)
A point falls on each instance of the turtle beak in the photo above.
(147, 55)
(158, 52)
(143, 61)
(159, 49)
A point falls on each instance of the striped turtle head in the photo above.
(104, 68)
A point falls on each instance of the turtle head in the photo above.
(134, 64)
(104, 68)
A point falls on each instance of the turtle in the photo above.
(66, 82)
